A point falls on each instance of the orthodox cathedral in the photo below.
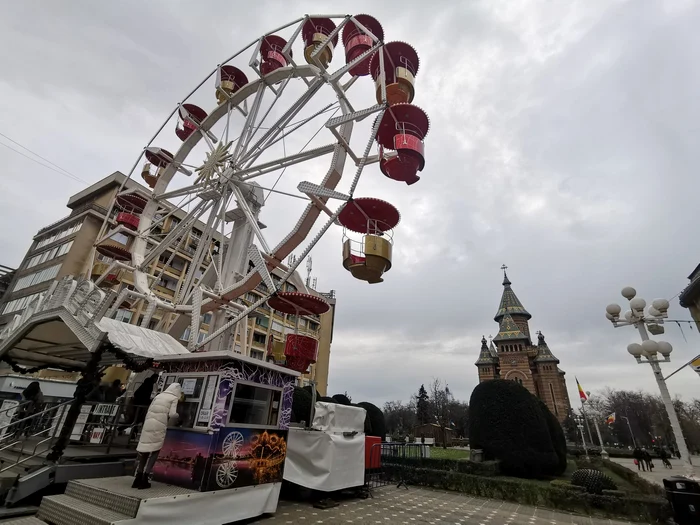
(512, 355)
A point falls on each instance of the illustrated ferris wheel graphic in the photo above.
(267, 129)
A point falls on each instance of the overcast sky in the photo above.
(563, 143)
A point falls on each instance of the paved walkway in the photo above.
(659, 473)
(416, 506)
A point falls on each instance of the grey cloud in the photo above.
(562, 144)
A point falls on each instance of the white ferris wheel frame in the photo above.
(204, 299)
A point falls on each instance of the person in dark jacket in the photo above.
(638, 456)
(136, 410)
(113, 391)
(31, 403)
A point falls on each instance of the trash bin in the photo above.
(476, 455)
(684, 496)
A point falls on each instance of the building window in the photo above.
(262, 321)
(60, 235)
(277, 327)
(124, 315)
(257, 354)
(185, 335)
(554, 400)
(259, 338)
(19, 304)
(313, 326)
(50, 254)
(41, 276)
(207, 318)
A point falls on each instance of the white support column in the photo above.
(668, 404)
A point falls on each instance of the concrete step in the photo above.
(101, 497)
(67, 510)
(30, 520)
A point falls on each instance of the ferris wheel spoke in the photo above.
(249, 122)
(175, 233)
(296, 126)
(187, 190)
(202, 250)
(278, 126)
(284, 162)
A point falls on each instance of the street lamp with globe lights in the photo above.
(651, 352)
(579, 423)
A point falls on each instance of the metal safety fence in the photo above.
(382, 456)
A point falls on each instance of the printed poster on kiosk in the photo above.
(229, 458)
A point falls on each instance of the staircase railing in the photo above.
(25, 426)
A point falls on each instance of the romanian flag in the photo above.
(610, 419)
(581, 393)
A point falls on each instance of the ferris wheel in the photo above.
(263, 129)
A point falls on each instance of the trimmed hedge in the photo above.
(556, 433)
(485, 468)
(301, 405)
(645, 509)
(377, 425)
(506, 421)
(342, 399)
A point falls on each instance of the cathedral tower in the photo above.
(513, 356)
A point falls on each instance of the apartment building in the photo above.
(66, 247)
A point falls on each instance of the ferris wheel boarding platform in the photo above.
(112, 501)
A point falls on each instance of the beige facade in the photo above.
(66, 247)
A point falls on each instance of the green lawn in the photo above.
(448, 453)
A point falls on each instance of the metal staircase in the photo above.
(105, 501)
(24, 444)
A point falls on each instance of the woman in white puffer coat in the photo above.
(162, 408)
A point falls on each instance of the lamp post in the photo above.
(603, 453)
(634, 441)
(579, 424)
(649, 350)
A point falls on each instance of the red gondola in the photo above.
(357, 42)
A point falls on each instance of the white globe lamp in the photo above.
(638, 304)
(628, 293)
(650, 347)
(635, 349)
(661, 305)
(665, 348)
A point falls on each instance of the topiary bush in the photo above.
(594, 481)
(377, 425)
(556, 433)
(301, 405)
(342, 399)
(506, 421)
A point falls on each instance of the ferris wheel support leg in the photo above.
(150, 310)
(195, 318)
(252, 219)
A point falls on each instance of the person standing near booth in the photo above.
(163, 407)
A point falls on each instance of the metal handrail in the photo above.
(37, 414)
(17, 407)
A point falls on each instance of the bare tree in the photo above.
(441, 399)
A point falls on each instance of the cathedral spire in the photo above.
(509, 301)
(508, 330)
(544, 354)
(485, 356)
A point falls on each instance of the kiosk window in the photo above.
(255, 405)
